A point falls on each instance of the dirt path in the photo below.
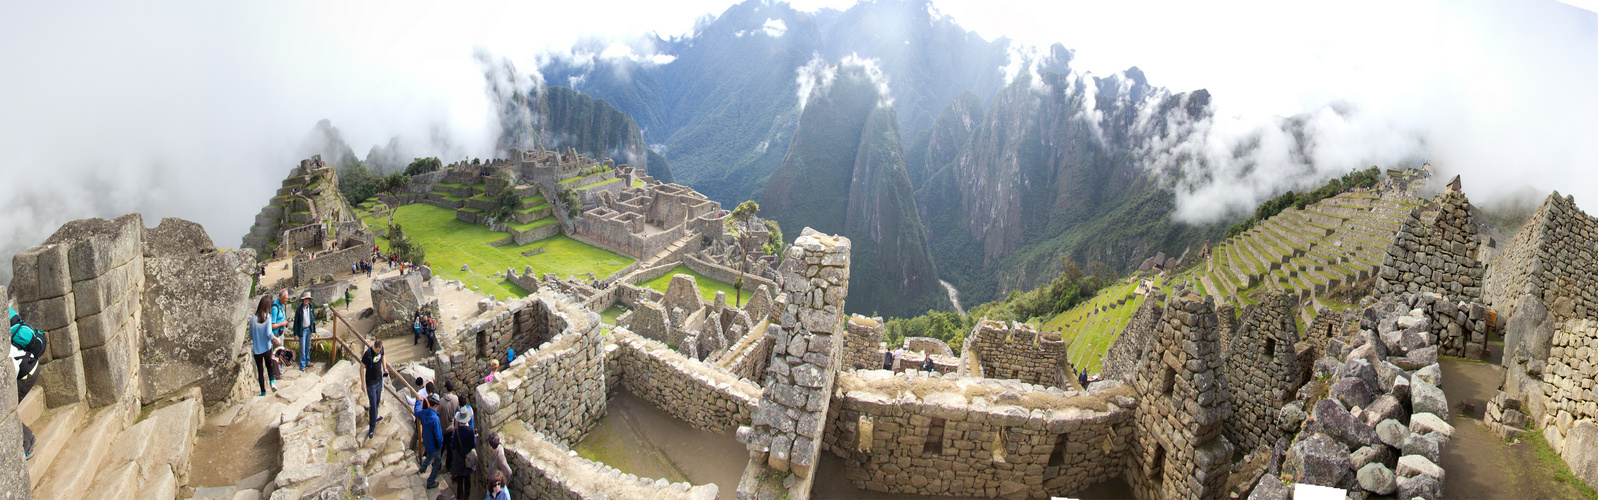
(1478, 464)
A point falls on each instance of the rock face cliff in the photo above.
(1055, 166)
(845, 173)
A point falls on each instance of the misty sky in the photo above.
(194, 110)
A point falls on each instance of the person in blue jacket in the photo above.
(432, 438)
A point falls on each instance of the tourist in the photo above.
(430, 330)
(493, 368)
(27, 346)
(898, 358)
(373, 361)
(448, 404)
(432, 439)
(926, 364)
(887, 360)
(496, 487)
(280, 310)
(416, 328)
(304, 326)
(262, 341)
(497, 466)
(348, 298)
(462, 460)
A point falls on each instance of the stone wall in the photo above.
(307, 269)
(1262, 371)
(1180, 450)
(524, 325)
(862, 345)
(545, 469)
(534, 234)
(726, 274)
(1566, 396)
(309, 236)
(685, 388)
(749, 358)
(1551, 258)
(1016, 352)
(785, 434)
(1437, 256)
(972, 437)
(928, 346)
(1121, 361)
(558, 389)
(83, 289)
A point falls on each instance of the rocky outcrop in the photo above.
(195, 303)
(397, 298)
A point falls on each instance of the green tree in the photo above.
(574, 203)
(421, 166)
(402, 246)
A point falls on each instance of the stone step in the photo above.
(51, 433)
(72, 473)
(31, 408)
(164, 440)
(123, 478)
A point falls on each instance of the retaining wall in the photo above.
(558, 389)
(685, 388)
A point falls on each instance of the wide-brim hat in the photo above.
(464, 416)
(305, 296)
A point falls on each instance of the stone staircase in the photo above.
(90, 453)
(1339, 240)
(665, 253)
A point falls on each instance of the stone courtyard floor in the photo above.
(1478, 464)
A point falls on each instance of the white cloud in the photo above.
(775, 28)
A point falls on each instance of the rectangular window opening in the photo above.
(934, 442)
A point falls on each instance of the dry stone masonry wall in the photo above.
(862, 346)
(1121, 361)
(1180, 450)
(82, 288)
(961, 436)
(558, 389)
(1262, 371)
(1016, 352)
(685, 388)
(1552, 258)
(786, 432)
(1438, 256)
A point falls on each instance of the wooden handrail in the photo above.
(368, 345)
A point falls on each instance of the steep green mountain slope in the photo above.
(844, 173)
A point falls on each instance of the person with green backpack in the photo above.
(27, 346)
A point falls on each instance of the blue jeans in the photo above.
(374, 393)
(436, 459)
(305, 348)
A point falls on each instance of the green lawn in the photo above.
(600, 183)
(707, 287)
(537, 223)
(451, 243)
(609, 315)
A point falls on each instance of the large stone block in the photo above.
(176, 237)
(108, 369)
(61, 379)
(40, 272)
(48, 314)
(94, 329)
(62, 342)
(95, 294)
(98, 245)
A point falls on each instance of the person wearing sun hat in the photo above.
(304, 326)
(462, 460)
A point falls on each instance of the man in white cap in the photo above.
(461, 459)
(304, 326)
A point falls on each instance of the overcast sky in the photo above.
(194, 109)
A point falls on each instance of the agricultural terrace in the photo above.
(451, 243)
(1092, 326)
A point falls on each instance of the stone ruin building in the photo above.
(303, 212)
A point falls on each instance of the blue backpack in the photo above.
(21, 333)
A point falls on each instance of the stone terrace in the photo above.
(1339, 240)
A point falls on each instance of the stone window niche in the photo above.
(1057, 456)
(1156, 470)
(999, 444)
(934, 442)
(1270, 349)
(1168, 381)
(864, 431)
